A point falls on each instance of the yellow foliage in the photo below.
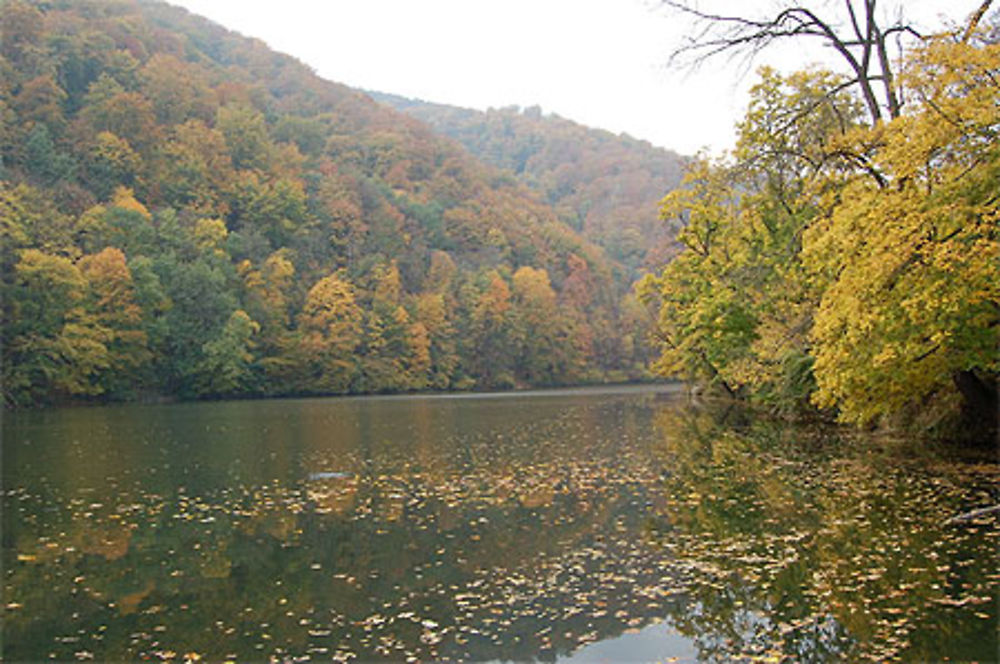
(210, 234)
(124, 198)
(915, 251)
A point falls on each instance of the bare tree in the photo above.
(860, 36)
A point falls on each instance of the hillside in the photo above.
(606, 186)
(189, 213)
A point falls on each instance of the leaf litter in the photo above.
(750, 545)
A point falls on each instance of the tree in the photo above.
(110, 107)
(434, 314)
(177, 90)
(193, 168)
(491, 337)
(21, 26)
(53, 347)
(736, 304)
(124, 223)
(857, 34)
(543, 356)
(41, 101)
(202, 299)
(330, 328)
(112, 303)
(912, 309)
(44, 161)
(848, 265)
(226, 366)
(705, 324)
(418, 361)
(109, 163)
(187, 178)
(246, 136)
(385, 346)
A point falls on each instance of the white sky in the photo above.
(602, 63)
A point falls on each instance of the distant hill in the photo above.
(187, 212)
(606, 186)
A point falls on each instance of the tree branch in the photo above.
(975, 19)
(861, 47)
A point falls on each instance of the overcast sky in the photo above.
(602, 63)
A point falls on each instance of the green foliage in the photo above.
(226, 365)
(54, 346)
(44, 160)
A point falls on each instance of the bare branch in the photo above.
(975, 19)
(855, 35)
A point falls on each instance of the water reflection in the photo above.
(516, 528)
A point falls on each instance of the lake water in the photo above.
(580, 525)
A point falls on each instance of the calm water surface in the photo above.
(582, 525)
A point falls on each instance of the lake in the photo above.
(619, 524)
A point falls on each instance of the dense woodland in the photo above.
(187, 213)
(605, 186)
(845, 258)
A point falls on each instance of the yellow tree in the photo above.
(736, 305)
(914, 305)
(491, 337)
(544, 349)
(112, 303)
(330, 328)
(419, 364)
(53, 346)
(267, 295)
(435, 315)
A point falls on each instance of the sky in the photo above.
(602, 63)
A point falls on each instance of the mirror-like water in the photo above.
(590, 525)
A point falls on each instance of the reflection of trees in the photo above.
(274, 561)
(804, 543)
(476, 547)
(485, 536)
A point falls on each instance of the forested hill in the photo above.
(186, 212)
(606, 186)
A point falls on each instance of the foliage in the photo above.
(915, 299)
(208, 218)
(851, 266)
(605, 186)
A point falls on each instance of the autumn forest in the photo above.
(294, 371)
(188, 214)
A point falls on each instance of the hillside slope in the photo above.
(187, 212)
(606, 186)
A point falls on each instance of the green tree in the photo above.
(202, 299)
(109, 163)
(226, 366)
(44, 160)
(246, 136)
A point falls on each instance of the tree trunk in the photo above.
(982, 402)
